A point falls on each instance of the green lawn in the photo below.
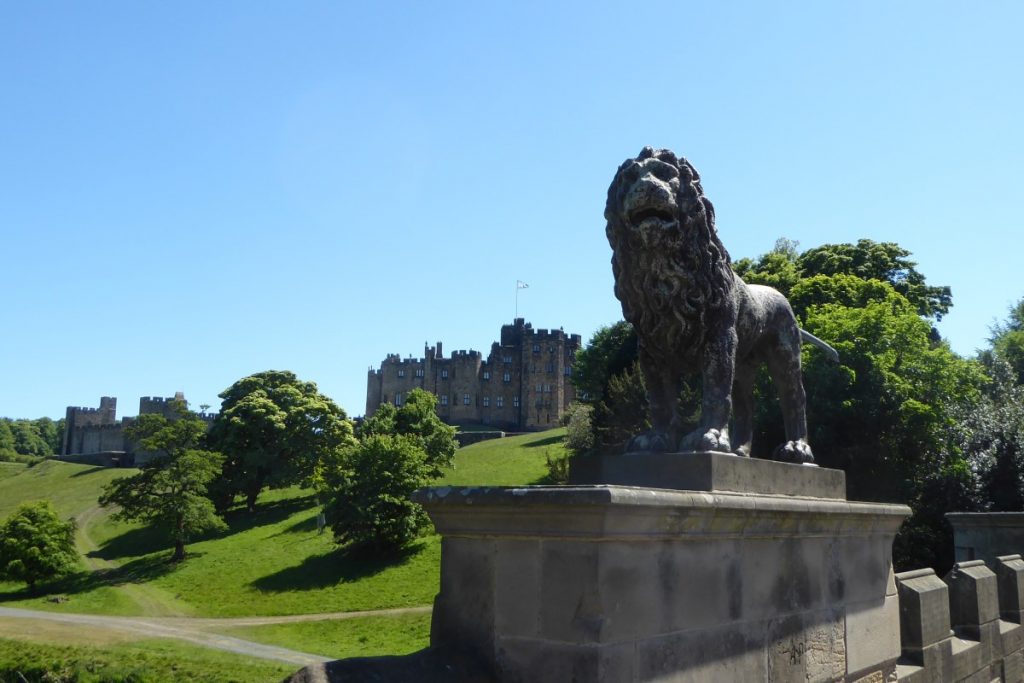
(142, 661)
(512, 461)
(371, 636)
(271, 562)
(71, 488)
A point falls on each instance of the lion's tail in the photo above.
(811, 339)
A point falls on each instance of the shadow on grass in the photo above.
(338, 566)
(546, 441)
(151, 539)
(92, 470)
(138, 571)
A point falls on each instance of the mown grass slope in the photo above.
(142, 661)
(271, 562)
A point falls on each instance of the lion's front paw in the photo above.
(711, 440)
(649, 442)
(798, 451)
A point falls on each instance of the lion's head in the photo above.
(670, 267)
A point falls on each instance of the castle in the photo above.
(524, 384)
(95, 435)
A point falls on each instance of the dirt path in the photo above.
(150, 600)
(159, 628)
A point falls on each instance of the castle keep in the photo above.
(523, 384)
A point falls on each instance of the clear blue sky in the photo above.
(191, 192)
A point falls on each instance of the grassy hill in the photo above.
(271, 562)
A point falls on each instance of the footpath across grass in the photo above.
(142, 661)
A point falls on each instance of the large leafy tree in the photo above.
(417, 419)
(274, 430)
(171, 490)
(367, 485)
(35, 545)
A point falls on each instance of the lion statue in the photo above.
(693, 314)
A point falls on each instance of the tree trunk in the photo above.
(253, 492)
(179, 541)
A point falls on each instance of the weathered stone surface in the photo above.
(693, 314)
(973, 597)
(1009, 571)
(986, 535)
(709, 471)
(607, 583)
(872, 635)
(924, 611)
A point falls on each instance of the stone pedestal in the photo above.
(619, 583)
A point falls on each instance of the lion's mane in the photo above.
(669, 289)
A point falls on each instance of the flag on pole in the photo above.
(521, 285)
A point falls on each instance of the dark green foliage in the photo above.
(579, 431)
(417, 419)
(1008, 340)
(610, 351)
(35, 545)
(171, 490)
(367, 485)
(28, 440)
(368, 490)
(274, 431)
(885, 261)
(990, 434)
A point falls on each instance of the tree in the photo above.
(368, 489)
(35, 545)
(417, 419)
(274, 431)
(1008, 340)
(885, 261)
(367, 485)
(611, 351)
(171, 490)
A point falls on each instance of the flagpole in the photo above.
(519, 285)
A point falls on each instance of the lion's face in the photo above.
(643, 200)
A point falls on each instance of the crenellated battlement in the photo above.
(965, 626)
(469, 391)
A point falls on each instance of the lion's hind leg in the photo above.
(784, 367)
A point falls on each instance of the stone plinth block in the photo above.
(973, 596)
(1010, 579)
(613, 583)
(709, 471)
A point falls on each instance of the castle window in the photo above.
(487, 374)
(507, 377)
(508, 359)
(419, 372)
(401, 372)
(444, 374)
(500, 401)
(487, 401)
(444, 399)
(465, 399)
(551, 367)
(536, 348)
(551, 349)
(515, 401)
(398, 399)
(568, 371)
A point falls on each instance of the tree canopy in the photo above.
(171, 490)
(35, 545)
(273, 430)
(367, 485)
(1007, 340)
